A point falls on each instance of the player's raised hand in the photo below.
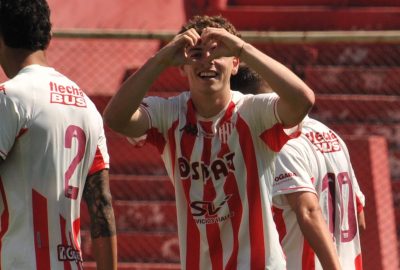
(175, 52)
(220, 43)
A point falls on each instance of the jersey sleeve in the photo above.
(270, 128)
(12, 123)
(161, 113)
(292, 174)
(101, 159)
(360, 198)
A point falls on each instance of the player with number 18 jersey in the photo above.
(318, 162)
(51, 139)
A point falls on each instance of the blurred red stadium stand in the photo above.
(370, 161)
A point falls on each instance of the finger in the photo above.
(192, 36)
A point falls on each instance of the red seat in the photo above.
(303, 18)
(353, 80)
(151, 216)
(357, 108)
(140, 247)
(137, 266)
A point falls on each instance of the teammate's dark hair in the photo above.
(246, 80)
(25, 24)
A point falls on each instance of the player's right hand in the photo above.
(175, 53)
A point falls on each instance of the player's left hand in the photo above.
(220, 43)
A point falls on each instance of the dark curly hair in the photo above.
(200, 22)
(247, 81)
(25, 24)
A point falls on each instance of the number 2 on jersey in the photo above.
(71, 133)
(340, 204)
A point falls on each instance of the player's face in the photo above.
(208, 75)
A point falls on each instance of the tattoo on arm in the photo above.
(98, 200)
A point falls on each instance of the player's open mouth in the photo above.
(208, 74)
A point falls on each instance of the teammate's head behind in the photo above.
(201, 22)
(25, 24)
(247, 81)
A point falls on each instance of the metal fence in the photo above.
(356, 76)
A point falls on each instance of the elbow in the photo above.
(305, 104)
(112, 122)
(309, 100)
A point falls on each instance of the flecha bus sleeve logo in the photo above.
(69, 95)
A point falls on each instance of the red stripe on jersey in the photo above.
(73, 241)
(360, 207)
(275, 138)
(76, 227)
(156, 138)
(192, 232)
(98, 162)
(308, 259)
(41, 230)
(256, 229)
(21, 132)
(358, 262)
(231, 188)
(235, 206)
(280, 222)
(213, 232)
(5, 216)
(172, 145)
(63, 225)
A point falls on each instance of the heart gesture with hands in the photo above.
(189, 46)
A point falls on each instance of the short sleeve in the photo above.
(161, 112)
(101, 159)
(292, 174)
(11, 124)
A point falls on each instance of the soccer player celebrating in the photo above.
(313, 172)
(52, 153)
(217, 144)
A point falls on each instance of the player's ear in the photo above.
(236, 63)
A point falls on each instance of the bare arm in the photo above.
(121, 113)
(362, 225)
(314, 228)
(103, 232)
(296, 98)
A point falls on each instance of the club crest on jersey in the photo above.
(224, 131)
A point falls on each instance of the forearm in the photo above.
(102, 222)
(316, 232)
(294, 94)
(105, 252)
(119, 114)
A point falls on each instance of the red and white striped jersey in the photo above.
(318, 162)
(219, 167)
(51, 139)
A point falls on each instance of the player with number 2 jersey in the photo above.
(50, 135)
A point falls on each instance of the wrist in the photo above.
(240, 51)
